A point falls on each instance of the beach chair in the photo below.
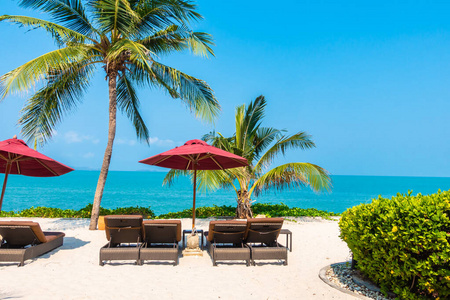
(161, 240)
(125, 235)
(225, 241)
(261, 236)
(22, 240)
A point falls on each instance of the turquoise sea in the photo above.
(76, 189)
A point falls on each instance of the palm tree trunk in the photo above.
(244, 210)
(112, 83)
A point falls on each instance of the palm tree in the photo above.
(125, 38)
(260, 146)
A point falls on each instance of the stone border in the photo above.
(323, 276)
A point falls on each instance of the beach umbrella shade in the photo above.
(17, 158)
(196, 155)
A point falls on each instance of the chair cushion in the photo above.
(212, 226)
(164, 221)
(34, 226)
(53, 235)
(123, 221)
(268, 227)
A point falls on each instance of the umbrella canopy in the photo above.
(196, 155)
(17, 158)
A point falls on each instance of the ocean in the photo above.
(76, 189)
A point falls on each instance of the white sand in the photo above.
(72, 271)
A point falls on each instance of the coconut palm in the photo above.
(125, 38)
(260, 146)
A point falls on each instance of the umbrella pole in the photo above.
(8, 169)
(195, 188)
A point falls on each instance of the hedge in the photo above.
(403, 243)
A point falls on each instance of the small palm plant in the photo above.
(123, 37)
(260, 146)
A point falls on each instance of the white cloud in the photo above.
(125, 142)
(74, 137)
(157, 142)
(88, 155)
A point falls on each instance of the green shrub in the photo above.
(51, 212)
(202, 212)
(270, 210)
(403, 244)
(282, 210)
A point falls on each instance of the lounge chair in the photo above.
(261, 236)
(22, 240)
(161, 240)
(125, 235)
(226, 241)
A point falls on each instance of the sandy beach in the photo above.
(72, 271)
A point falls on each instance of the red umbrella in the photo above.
(17, 158)
(196, 155)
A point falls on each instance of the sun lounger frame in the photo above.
(125, 235)
(262, 239)
(28, 250)
(225, 241)
(161, 241)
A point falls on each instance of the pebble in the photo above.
(341, 275)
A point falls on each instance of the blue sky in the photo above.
(369, 82)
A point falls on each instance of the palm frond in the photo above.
(178, 38)
(157, 14)
(293, 175)
(248, 119)
(199, 43)
(165, 40)
(27, 75)
(172, 175)
(299, 140)
(227, 144)
(61, 34)
(212, 180)
(253, 118)
(138, 54)
(69, 12)
(63, 91)
(264, 137)
(128, 102)
(195, 93)
(115, 16)
(209, 137)
(207, 180)
(240, 126)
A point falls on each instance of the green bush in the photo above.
(403, 244)
(282, 210)
(202, 212)
(270, 210)
(51, 212)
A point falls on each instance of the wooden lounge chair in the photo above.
(225, 239)
(161, 240)
(125, 235)
(22, 240)
(261, 236)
